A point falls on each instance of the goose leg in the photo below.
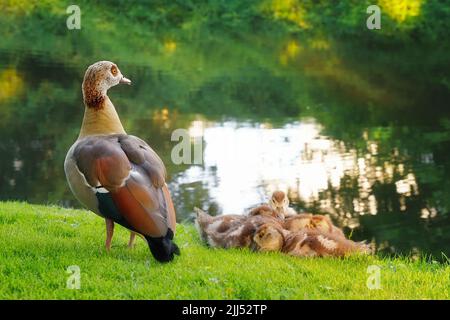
(109, 233)
(132, 237)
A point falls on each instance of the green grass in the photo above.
(39, 243)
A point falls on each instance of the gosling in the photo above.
(314, 243)
(259, 233)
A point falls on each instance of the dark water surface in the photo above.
(361, 135)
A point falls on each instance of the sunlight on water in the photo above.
(296, 158)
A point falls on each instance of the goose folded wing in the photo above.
(134, 176)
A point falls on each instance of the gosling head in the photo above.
(99, 77)
(279, 202)
(268, 238)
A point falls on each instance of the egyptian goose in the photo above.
(310, 221)
(260, 233)
(315, 243)
(116, 175)
(280, 203)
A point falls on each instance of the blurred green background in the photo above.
(288, 94)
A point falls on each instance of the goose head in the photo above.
(100, 77)
(279, 202)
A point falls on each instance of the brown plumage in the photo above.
(98, 78)
(265, 210)
(279, 202)
(209, 226)
(278, 196)
(119, 176)
(315, 243)
(266, 233)
(261, 233)
(314, 222)
(269, 237)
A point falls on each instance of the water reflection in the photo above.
(320, 174)
(296, 158)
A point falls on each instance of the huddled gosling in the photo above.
(316, 243)
(259, 233)
(277, 207)
(265, 210)
(312, 222)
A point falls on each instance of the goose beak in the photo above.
(125, 80)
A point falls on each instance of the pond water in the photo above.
(366, 143)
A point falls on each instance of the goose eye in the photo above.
(114, 70)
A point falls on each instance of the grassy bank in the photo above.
(39, 243)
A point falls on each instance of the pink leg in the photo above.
(132, 237)
(109, 233)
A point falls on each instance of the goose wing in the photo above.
(130, 180)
